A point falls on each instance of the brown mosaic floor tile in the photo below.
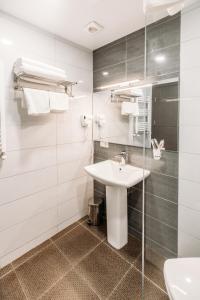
(77, 243)
(41, 271)
(103, 269)
(64, 231)
(152, 272)
(71, 287)
(83, 219)
(30, 253)
(130, 251)
(131, 288)
(100, 231)
(5, 270)
(10, 288)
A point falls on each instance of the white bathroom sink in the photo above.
(117, 178)
(112, 173)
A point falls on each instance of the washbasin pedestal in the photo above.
(117, 178)
(117, 221)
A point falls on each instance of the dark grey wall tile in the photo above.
(158, 208)
(123, 39)
(168, 164)
(161, 210)
(163, 34)
(109, 56)
(163, 186)
(162, 234)
(149, 244)
(135, 68)
(169, 134)
(165, 104)
(117, 73)
(136, 44)
(169, 65)
(135, 220)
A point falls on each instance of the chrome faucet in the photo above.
(123, 156)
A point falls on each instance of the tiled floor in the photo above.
(78, 263)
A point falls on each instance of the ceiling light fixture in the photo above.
(119, 84)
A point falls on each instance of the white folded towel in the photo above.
(39, 69)
(59, 102)
(130, 108)
(36, 101)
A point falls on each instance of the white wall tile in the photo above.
(189, 194)
(69, 209)
(188, 139)
(27, 207)
(189, 166)
(189, 221)
(29, 187)
(71, 131)
(75, 151)
(189, 144)
(8, 258)
(190, 24)
(190, 54)
(30, 135)
(26, 231)
(189, 83)
(72, 220)
(71, 170)
(19, 186)
(188, 246)
(77, 187)
(73, 56)
(19, 162)
(189, 111)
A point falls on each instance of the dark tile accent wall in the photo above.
(161, 209)
(165, 121)
(123, 59)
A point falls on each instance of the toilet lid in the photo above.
(182, 278)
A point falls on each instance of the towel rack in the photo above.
(23, 80)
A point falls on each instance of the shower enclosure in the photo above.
(150, 69)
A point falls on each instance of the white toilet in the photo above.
(182, 278)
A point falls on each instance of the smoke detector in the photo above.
(93, 27)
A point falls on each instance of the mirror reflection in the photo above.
(129, 114)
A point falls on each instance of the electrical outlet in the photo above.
(104, 144)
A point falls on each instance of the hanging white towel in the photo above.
(36, 101)
(38, 69)
(130, 108)
(59, 102)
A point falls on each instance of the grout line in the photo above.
(42, 190)
(2, 276)
(117, 285)
(87, 283)
(91, 232)
(150, 280)
(54, 284)
(20, 283)
(34, 254)
(116, 252)
(153, 218)
(53, 241)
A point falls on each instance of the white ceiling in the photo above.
(67, 18)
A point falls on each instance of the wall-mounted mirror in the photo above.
(124, 114)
